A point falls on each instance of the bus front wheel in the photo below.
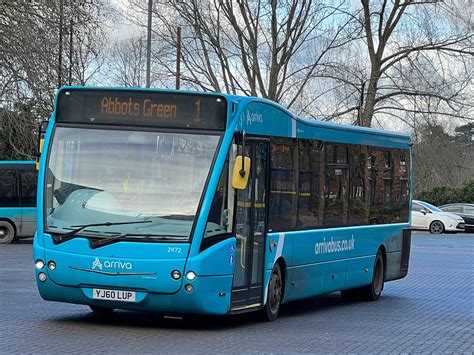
(7, 232)
(274, 295)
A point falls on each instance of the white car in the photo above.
(428, 217)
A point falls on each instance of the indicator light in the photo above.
(191, 275)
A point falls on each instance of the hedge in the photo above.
(442, 195)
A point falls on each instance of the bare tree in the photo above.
(17, 132)
(87, 36)
(414, 50)
(29, 52)
(272, 49)
(441, 159)
(128, 62)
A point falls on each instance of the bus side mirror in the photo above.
(39, 146)
(38, 154)
(241, 173)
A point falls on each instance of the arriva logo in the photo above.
(96, 264)
(254, 117)
(114, 264)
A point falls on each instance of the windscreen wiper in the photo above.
(178, 217)
(61, 238)
(116, 238)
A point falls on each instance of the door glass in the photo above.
(242, 227)
(416, 207)
(260, 178)
(469, 210)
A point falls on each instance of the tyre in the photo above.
(373, 291)
(101, 310)
(7, 232)
(274, 295)
(436, 227)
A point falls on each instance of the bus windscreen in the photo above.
(142, 108)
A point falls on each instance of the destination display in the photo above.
(142, 108)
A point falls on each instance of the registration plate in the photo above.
(113, 295)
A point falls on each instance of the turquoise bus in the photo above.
(189, 202)
(17, 200)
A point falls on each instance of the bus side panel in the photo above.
(315, 279)
(28, 223)
(327, 260)
(277, 246)
(359, 271)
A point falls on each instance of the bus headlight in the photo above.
(175, 274)
(191, 275)
(42, 276)
(52, 265)
(39, 264)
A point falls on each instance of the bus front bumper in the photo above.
(210, 295)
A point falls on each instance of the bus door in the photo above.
(250, 222)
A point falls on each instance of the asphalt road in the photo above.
(431, 310)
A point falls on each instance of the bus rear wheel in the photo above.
(274, 295)
(373, 291)
(7, 232)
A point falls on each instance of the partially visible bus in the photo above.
(17, 200)
(189, 202)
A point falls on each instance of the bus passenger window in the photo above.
(283, 186)
(9, 189)
(381, 186)
(311, 183)
(358, 202)
(336, 188)
(398, 199)
(28, 188)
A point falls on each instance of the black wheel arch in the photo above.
(281, 261)
(383, 250)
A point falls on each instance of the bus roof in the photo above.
(264, 117)
(17, 162)
(244, 101)
(283, 114)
